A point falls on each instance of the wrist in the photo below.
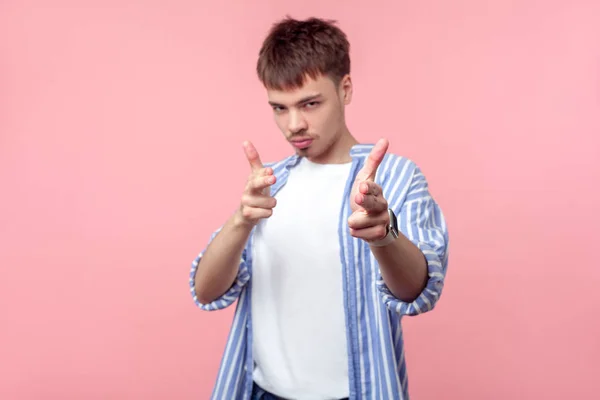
(384, 241)
(391, 229)
(239, 222)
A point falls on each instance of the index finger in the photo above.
(252, 156)
(374, 159)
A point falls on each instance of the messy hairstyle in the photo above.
(294, 50)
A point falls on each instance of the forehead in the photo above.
(322, 86)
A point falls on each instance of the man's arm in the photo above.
(403, 268)
(218, 267)
(219, 264)
(422, 224)
(413, 267)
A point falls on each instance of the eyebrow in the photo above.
(307, 99)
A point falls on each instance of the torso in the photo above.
(299, 333)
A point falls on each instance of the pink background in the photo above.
(115, 117)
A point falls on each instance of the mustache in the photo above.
(303, 132)
(299, 134)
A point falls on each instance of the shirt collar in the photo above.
(359, 151)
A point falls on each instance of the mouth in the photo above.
(301, 143)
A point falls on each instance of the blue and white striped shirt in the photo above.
(377, 366)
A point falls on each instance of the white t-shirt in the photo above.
(298, 323)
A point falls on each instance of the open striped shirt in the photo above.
(376, 361)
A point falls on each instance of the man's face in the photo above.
(312, 117)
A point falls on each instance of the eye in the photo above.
(311, 104)
(278, 109)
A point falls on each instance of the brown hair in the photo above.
(296, 49)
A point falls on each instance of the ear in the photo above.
(346, 89)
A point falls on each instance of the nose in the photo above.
(296, 122)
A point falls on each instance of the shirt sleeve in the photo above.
(232, 294)
(421, 220)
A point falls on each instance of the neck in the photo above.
(339, 151)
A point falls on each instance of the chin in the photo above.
(304, 150)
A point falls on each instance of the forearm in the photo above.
(220, 262)
(403, 268)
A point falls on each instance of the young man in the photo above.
(329, 248)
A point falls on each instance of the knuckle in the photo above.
(254, 185)
(245, 199)
(246, 212)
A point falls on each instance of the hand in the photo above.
(369, 219)
(256, 202)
